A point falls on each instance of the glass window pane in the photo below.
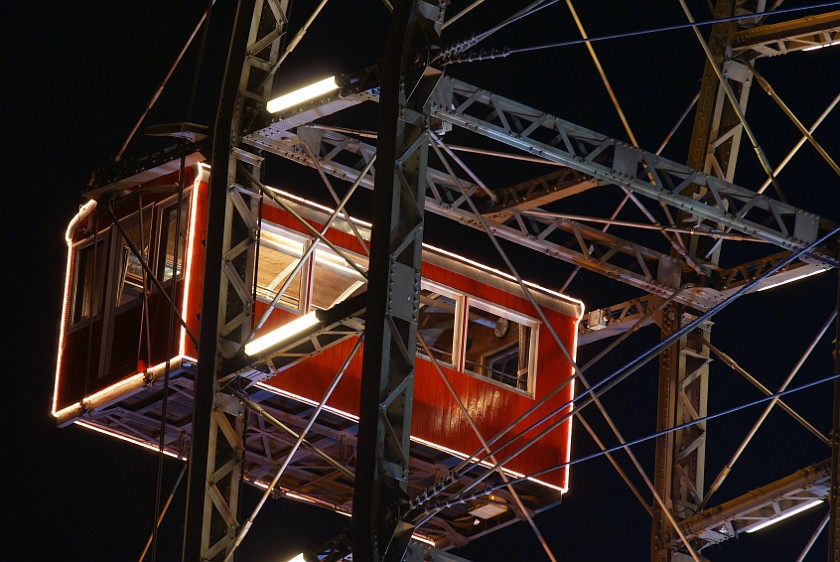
(168, 231)
(497, 347)
(278, 257)
(333, 280)
(131, 277)
(88, 281)
(436, 325)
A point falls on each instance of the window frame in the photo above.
(533, 341)
(457, 336)
(305, 271)
(101, 269)
(162, 209)
(362, 261)
(122, 255)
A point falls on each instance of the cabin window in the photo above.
(280, 253)
(88, 282)
(131, 273)
(437, 325)
(498, 344)
(166, 262)
(333, 279)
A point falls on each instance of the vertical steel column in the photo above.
(380, 497)
(217, 448)
(679, 473)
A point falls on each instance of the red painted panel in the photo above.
(437, 417)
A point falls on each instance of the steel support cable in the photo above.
(733, 102)
(303, 222)
(144, 310)
(801, 141)
(582, 421)
(461, 14)
(623, 202)
(624, 35)
(618, 376)
(676, 244)
(578, 371)
(618, 341)
(787, 111)
(293, 43)
(603, 353)
(485, 446)
(133, 247)
(175, 265)
(243, 530)
(170, 330)
(460, 47)
(157, 93)
(465, 495)
(160, 514)
(294, 435)
(694, 231)
(563, 349)
(789, 156)
(335, 196)
(600, 69)
(814, 537)
(309, 251)
(621, 374)
(760, 421)
(732, 364)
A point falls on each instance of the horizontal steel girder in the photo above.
(771, 40)
(614, 257)
(611, 161)
(604, 160)
(772, 501)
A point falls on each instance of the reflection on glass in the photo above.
(333, 280)
(497, 348)
(131, 281)
(88, 282)
(436, 325)
(168, 232)
(279, 255)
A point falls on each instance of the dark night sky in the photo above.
(79, 76)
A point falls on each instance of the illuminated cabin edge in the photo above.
(498, 356)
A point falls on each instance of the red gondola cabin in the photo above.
(128, 258)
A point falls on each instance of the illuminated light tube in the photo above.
(123, 437)
(304, 94)
(282, 333)
(784, 516)
(792, 279)
(815, 47)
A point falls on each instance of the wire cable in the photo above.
(600, 388)
(464, 56)
(458, 498)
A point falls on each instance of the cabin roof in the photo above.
(443, 258)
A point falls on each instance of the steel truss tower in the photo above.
(681, 286)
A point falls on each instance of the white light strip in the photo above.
(83, 213)
(433, 445)
(126, 438)
(792, 279)
(282, 333)
(304, 94)
(815, 47)
(199, 184)
(785, 515)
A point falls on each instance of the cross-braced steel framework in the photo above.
(696, 238)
